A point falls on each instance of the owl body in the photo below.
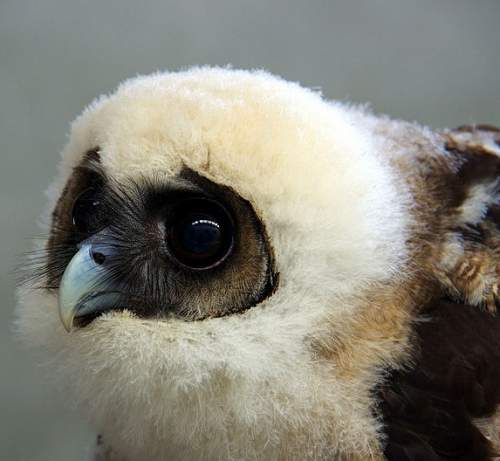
(268, 264)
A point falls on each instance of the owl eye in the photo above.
(200, 235)
(87, 212)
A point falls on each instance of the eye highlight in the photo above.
(200, 233)
(87, 214)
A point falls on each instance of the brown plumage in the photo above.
(430, 409)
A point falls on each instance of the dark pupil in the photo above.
(86, 213)
(201, 234)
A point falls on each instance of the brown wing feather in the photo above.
(472, 272)
(429, 409)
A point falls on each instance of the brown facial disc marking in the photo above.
(152, 283)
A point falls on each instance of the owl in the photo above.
(235, 268)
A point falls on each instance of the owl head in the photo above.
(225, 270)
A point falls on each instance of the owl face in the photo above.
(210, 232)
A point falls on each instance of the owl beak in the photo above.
(85, 289)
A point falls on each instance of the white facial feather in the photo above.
(246, 386)
(480, 198)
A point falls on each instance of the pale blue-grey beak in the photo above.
(85, 288)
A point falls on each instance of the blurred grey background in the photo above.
(434, 62)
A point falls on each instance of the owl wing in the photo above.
(443, 406)
(469, 266)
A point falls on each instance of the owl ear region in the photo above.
(85, 290)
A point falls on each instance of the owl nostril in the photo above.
(98, 257)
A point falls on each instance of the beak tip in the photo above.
(67, 321)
